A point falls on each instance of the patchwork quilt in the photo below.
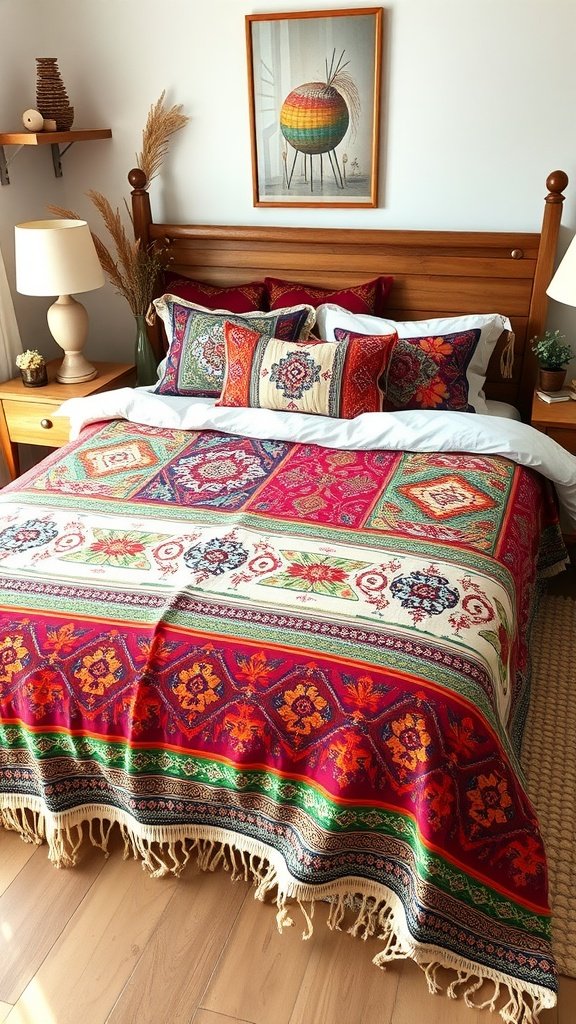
(309, 663)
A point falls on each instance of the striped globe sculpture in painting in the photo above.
(315, 117)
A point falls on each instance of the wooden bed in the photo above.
(297, 646)
(436, 273)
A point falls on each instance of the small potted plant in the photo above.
(32, 368)
(553, 355)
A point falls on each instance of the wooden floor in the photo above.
(105, 944)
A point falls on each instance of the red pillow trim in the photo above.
(369, 298)
(240, 298)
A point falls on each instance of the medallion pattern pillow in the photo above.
(428, 372)
(340, 379)
(369, 297)
(194, 365)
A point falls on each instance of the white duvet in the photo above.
(417, 430)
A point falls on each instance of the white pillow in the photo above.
(490, 325)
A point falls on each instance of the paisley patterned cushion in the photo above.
(240, 298)
(325, 378)
(194, 365)
(426, 373)
(369, 297)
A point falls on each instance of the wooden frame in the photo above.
(436, 273)
(314, 86)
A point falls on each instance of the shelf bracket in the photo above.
(57, 155)
(4, 176)
(4, 162)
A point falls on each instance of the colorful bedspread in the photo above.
(307, 662)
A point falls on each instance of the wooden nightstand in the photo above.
(27, 414)
(557, 419)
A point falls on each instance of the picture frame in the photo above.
(314, 91)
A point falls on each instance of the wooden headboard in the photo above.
(436, 273)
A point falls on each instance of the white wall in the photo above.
(477, 108)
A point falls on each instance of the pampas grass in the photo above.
(160, 126)
(132, 269)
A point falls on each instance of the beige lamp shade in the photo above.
(562, 287)
(56, 257)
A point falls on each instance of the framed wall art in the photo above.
(314, 86)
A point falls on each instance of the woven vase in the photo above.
(51, 96)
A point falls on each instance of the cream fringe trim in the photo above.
(507, 357)
(378, 911)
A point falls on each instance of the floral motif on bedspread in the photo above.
(324, 652)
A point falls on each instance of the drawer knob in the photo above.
(46, 424)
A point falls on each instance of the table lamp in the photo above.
(58, 257)
(562, 287)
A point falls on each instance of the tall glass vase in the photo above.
(144, 357)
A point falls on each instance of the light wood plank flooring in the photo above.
(105, 944)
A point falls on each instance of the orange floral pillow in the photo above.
(326, 378)
(427, 373)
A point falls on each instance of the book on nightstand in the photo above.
(557, 396)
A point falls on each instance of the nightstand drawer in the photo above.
(36, 423)
(565, 437)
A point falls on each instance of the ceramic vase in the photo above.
(144, 357)
(552, 380)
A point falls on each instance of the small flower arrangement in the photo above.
(551, 351)
(31, 359)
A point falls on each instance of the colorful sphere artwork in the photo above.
(314, 118)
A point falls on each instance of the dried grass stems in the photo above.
(161, 125)
(132, 269)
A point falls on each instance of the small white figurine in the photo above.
(49, 125)
(33, 120)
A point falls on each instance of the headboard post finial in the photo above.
(137, 178)
(556, 183)
(141, 213)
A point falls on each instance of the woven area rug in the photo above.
(549, 759)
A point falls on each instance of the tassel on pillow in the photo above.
(507, 357)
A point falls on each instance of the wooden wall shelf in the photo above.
(52, 139)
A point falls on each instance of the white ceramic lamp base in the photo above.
(68, 323)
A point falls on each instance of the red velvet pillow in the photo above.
(240, 298)
(369, 297)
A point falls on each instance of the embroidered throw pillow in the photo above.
(325, 378)
(426, 373)
(362, 298)
(240, 298)
(194, 364)
(490, 325)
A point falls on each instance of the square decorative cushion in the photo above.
(194, 364)
(426, 373)
(240, 298)
(490, 325)
(325, 378)
(369, 297)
